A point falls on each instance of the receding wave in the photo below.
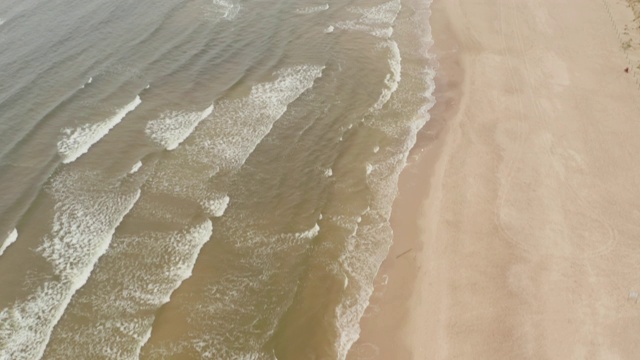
(77, 141)
(173, 127)
(83, 225)
(10, 239)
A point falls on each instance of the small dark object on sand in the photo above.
(404, 253)
(626, 69)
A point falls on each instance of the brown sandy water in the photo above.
(201, 180)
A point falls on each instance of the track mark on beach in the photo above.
(540, 114)
(519, 141)
(594, 212)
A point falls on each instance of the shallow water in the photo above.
(196, 179)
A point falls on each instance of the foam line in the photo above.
(224, 302)
(173, 127)
(77, 141)
(393, 79)
(240, 125)
(11, 238)
(312, 9)
(227, 8)
(142, 284)
(83, 225)
(377, 20)
(135, 167)
(87, 83)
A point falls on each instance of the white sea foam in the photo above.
(369, 168)
(88, 82)
(377, 20)
(312, 9)
(238, 126)
(11, 238)
(311, 233)
(358, 265)
(393, 79)
(121, 325)
(173, 127)
(224, 144)
(361, 259)
(216, 206)
(384, 13)
(77, 141)
(135, 167)
(237, 297)
(227, 8)
(383, 33)
(352, 25)
(347, 222)
(84, 222)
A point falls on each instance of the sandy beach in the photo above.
(516, 227)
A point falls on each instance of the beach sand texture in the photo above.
(527, 243)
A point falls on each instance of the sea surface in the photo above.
(191, 179)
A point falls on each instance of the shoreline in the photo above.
(491, 259)
(386, 317)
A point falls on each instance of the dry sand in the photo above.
(522, 203)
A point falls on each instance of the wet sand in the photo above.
(516, 225)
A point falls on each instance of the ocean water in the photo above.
(193, 179)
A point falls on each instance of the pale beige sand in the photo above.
(527, 242)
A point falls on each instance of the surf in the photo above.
(76, 141)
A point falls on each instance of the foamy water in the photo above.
(312, 9)
(174, 127)
(240, 125)
(10, 239)
(135, 167)
(83, 225)
(376, 20)
(125, 322)
(237, 209)
(227, 8)
(77, 141)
